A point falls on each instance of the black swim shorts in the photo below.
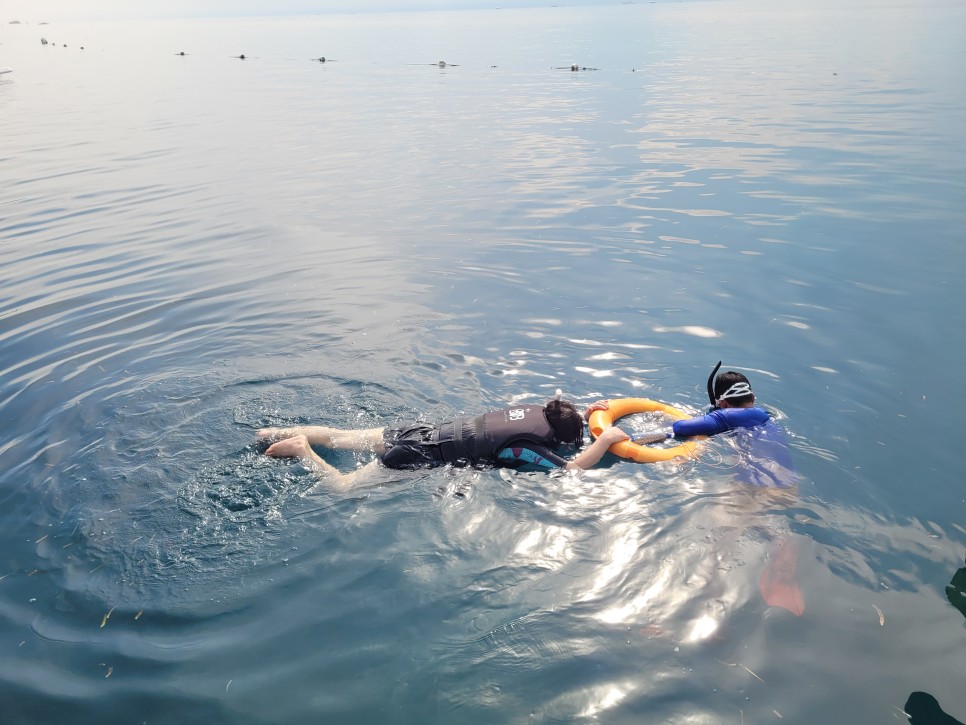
(413, 446)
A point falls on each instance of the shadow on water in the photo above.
(923, 709)
(956, 590)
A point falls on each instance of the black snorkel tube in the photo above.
(711, 385)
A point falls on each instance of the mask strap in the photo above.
(738, 390)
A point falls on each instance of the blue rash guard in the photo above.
(766, 461)
(762, 444)
(720, 420)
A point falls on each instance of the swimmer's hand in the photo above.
(294, 447)
(599, 405)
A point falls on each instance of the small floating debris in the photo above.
(43, 41)
(881, 615)
(106, 617)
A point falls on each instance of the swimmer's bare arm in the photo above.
(592, 454)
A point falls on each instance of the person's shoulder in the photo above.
(746, 417)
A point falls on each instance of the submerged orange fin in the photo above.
(778, 583)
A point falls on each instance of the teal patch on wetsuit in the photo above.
(526, 456)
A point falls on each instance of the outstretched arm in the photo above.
(592, 454)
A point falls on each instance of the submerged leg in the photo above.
(364, 439)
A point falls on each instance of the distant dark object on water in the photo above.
(240, 57)
(319, 60)
(181, 53)
(575, 67)
(438, 64)
(43, 41)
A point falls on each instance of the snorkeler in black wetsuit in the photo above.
(523, 435)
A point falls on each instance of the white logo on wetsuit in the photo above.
(516, 414)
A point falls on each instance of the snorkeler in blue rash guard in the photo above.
(732, 406)
(766, 457)
(765, 463)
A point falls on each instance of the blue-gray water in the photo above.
(193, 247)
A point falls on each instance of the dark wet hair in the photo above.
(724, 382)
(566, 421)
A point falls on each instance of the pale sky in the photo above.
(34, 11)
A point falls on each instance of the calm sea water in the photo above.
(194, 247)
